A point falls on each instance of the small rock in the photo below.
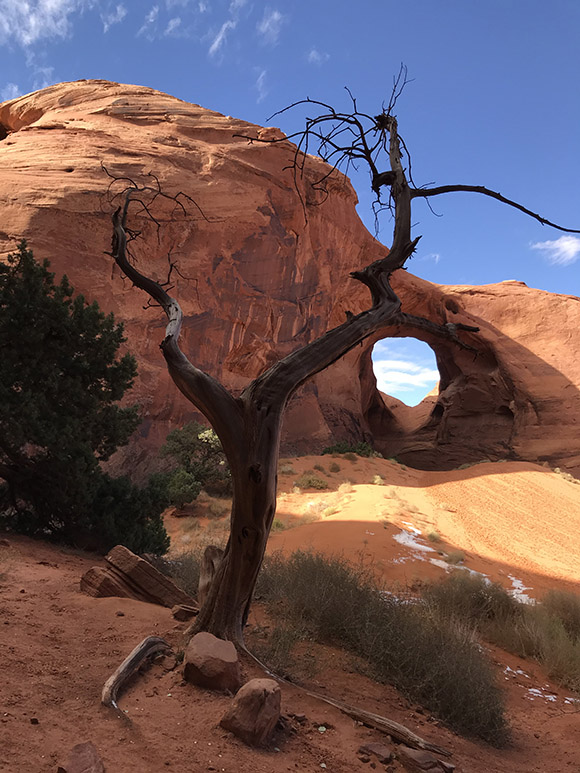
(212, 663)
(378, 750)
(34, 721)
(84, 758)
(184, 612)
(418, 760)
(254, 712)
(120, 614)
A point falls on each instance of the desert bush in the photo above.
(344, 447)
(425, 657)
(320, 468)
(278, 525)
(334, 467)
(346, 487)
(185, 571)
(182, 487)
(287, 469)
(547, 632)
(309, 479)
(434, 536)
(378, 480)
(350, 457)
(455, 557)
(217, 508)
(470, 597)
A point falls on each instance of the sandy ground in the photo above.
(512, 521)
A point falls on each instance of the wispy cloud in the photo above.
(10, 91)
(317, 57)
(149, 26)
(261, 86)
(173, 25)
(113, 17)
(270, 26)
(27, 21)
(220, 38)
(398, 376)
(560, 252)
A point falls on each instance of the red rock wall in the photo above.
(268, 271)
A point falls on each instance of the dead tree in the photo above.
(249, 425)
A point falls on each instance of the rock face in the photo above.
(264, 270)
(254, 712)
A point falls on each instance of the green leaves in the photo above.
(60, 380)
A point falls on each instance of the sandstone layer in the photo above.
(265, 269)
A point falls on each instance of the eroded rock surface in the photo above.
(212, 663)
(266, 270)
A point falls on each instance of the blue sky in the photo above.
(495, 101)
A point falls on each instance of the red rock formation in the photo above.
(268, 271)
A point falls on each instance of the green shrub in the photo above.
(470, 597)
(344, 447)
(182, 487)
(310, 480)
(278, 525)
(197, 450)
(430, 661)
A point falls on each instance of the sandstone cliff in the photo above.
(266, 270)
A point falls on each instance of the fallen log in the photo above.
(149, 647)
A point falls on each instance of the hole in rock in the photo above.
(3, 132)
(405, 368)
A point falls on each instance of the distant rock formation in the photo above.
(268, 271)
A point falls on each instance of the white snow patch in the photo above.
(410, 541)
(414, 529)
(538, 692)
(518, 589)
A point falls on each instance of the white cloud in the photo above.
(220, 38)
(27, 21)
(398, 376)
(113, 17)
(173, 25)
(10, 91)
(560, 252)
(261, 85)
(149, 26)
(235, 5)
(202, 7)
(317, 57)
(270, 26)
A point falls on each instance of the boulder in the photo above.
(84, 758)
(212, 663)
(129, 576)
(254, 712)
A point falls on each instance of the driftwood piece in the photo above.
(397, 731)
(150, 646)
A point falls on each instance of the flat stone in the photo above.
(84, 758)
(184, 612)
(378, 750)
(418, 760)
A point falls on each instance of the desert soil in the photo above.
(517, 523)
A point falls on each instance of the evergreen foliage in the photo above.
(60, 381)
(201, 464)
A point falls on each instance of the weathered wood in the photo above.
(211, 560)
(150, 646)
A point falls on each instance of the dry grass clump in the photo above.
(310, 479)
(548, 632)
(334, 467)
(432, 662)
(286, 469)
(345, 488)
(378, 480)
(455, 557)
(320, 468)
(434, 536)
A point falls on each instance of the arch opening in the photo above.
(406, 369)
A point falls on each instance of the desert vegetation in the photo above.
(61, 380)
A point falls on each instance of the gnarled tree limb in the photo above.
(147, 649)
